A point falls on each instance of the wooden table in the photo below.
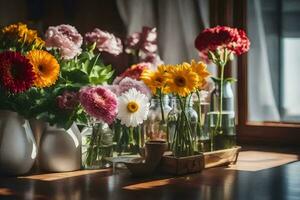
(281, 183)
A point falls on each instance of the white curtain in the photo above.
(136, 14)
(262, 104)
(178, 24)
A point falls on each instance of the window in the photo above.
(268, 91)
(274, 60)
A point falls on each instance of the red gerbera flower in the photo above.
(134, 72)
(16, 72)
(222, 36)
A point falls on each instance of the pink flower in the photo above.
(66, 39)
(99, 102)
(132, 42)
(113, 88)
(104, 41)
(149, 40)
(134, 72)
(128, 83)
(153, 59)
(144, 46)
(149, 34)
(68, 100)
(142, 41)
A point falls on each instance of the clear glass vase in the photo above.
(97, 144)
(227, 99)
(155, 127)
(192, 116)
(203, 136)
(182, 128)
(222, 129)
(172, 119)
(127, 140)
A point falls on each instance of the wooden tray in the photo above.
(196, 163)
(221, 157)
(183, 165)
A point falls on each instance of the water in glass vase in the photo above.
(155, 127)
(97, 145)
(203, 139)
(222, 129)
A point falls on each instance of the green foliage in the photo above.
(84, 70)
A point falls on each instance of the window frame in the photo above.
(270, 133)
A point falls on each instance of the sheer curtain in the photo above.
(178, 24)
(261, 97)
(136, 14)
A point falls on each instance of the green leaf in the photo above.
(77, 76)
(230, 79)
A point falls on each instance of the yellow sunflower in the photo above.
(23, 34)
(18, 30)
(181, 80)
(45, 67)
(200, 69)
(32, 38)
(155, 79)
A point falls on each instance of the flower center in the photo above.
(98, 100)
(180, 81)
(41, 68)
(159, 79)
(132, 106)
(16, 71)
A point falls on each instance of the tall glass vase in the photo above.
(223, 137)
(221, 123)
(97, 144)
(155, 127)
(127, 140)
(203, 136)
(227, 99)
(172, 119)
(182, 126)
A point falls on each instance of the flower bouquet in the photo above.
(79, 96)
(26, 70)
(180, 81)
(80, 67)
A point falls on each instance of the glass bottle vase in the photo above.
(97, 144)
(182, 128)
(155, 127)
(223, 136)
(221, 123)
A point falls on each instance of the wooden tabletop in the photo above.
(282, 182)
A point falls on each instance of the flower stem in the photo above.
(161, 107)
(187, 132)
(221, 63)
(131, 137)
(92, 148)
(199, 111)
(221, 95)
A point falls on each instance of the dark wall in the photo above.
(85, 15)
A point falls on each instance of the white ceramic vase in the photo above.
(60, 149)
(18, 148)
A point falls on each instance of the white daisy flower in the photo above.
(133, 108)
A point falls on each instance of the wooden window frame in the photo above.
(234, 13)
